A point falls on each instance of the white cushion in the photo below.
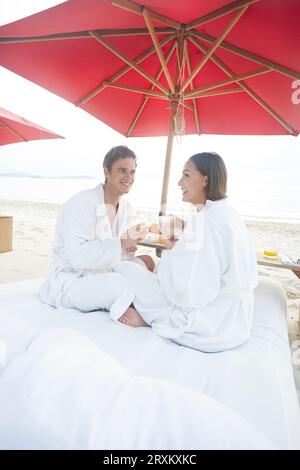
(15, 336)
(64, 393)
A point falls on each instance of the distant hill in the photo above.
(28, 175)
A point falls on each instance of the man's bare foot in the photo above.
(132, 318)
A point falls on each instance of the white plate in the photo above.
(271, 257)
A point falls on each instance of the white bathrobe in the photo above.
(202, 294)
(86, 248)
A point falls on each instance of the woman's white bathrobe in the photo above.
(86, 248)
(202, 294)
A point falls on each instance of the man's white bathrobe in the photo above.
(86, 248)
(202, 294)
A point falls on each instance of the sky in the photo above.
(248, 158)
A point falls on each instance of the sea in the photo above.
(269, 199)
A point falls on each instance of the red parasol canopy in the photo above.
(14, 129)
(219, 67)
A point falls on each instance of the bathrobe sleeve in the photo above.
(82, 248)
(190, 273)
(210, 259)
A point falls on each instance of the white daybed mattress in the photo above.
(254, 382)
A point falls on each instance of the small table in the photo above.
(152, 244)
(277, 263)
(261, 259)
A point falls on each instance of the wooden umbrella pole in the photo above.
(164, 194)
(174, 101)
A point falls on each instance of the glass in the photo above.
(166, 226)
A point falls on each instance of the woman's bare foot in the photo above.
(148, 260)
(132, 318)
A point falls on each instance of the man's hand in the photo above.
(168, 244)
(138, 232)
(132, 236)
(128, 245)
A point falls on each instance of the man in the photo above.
(94, 233)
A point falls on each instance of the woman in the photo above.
(202, 294)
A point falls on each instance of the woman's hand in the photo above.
(177, 229)
(168, 244)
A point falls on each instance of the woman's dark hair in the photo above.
(116, 153)
(210, 164)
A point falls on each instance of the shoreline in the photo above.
(153, 211)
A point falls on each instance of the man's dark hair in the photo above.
(116, 153)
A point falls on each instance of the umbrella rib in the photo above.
(11, 129)
(143, 91)
(187, 106)
(245, 87)
(213, 15)
(268, 108)
(137, 115)
(159, 51)
(227, 91)
(227, 81)
(48, 37)
(188, 63)
(130, 62)
(146, 98)
(122, 72)
(132, 31)
(138, 10)
(214, 46)
(180, 57)
(85, 35)
(249, 55)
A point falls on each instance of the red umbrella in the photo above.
(214, 66)
(14, 129)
